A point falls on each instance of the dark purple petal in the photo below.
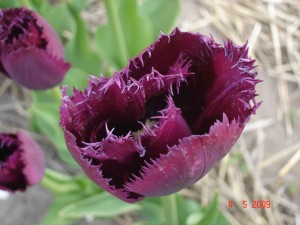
(186, 162)
(156, 140)
(34, 68)
(22, 162)
(122, 107)
(31, 53)
(90, 161)
(154, 127)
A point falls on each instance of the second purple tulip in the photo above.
(31, 53)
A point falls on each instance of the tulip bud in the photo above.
(31, 53)
(22, 162)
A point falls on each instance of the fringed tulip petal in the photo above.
(190, 160)
(161, 123)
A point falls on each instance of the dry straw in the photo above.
(250, 172)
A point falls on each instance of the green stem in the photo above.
(114, 20)
(27, 4)
(170, 209)
(56, 93)
(57, 183)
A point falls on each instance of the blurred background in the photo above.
(263, 165)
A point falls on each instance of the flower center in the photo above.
(152, 108)
(7, 147)
(5, 152)
(19, 29)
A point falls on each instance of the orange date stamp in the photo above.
(254, 204)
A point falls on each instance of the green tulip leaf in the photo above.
(161, 13)
(9, 3)
(151, 212)
(54, 15)
(137, 28)
(106, 45)
(75, 78)
(52, 217)
(149, 223)
(186, 208)
(44, 119)
(222, 220)
(211, 214)
(38, 4)
(101, 205)
(67, 190)
(136, 32)
(79, 5)
(78, 49)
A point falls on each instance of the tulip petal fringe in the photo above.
(161, 123)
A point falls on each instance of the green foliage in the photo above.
(39, 4)
(152, 211)
(141, 24)
(75, 78)
(59, 183)
(197, 214)
(78, 49)
(66, 190)
(105, 43)
(187, 208)
(31, 4)
(161, 13)
(190, 212)
(58, 203)
(44, 119)
(222, 220)
(79, 5)
(146, 223)
(76, 197)
(54, 16)
(102, 205)
(136, 27)
(136, 32)
(9, 3)
(211, 213)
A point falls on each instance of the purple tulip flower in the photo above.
(31, 53)
(22, 162)
(161, 123)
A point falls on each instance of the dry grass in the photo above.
(252, 171)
